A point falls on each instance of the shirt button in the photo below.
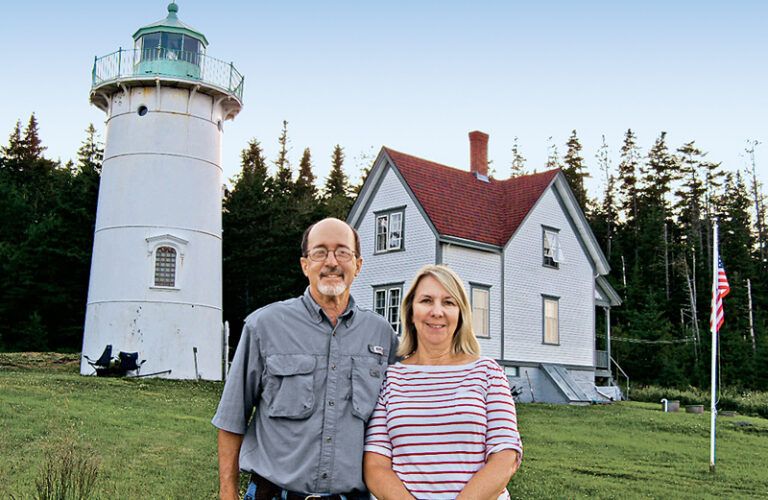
(330, 403)
(333, 366)
(328, 439)
(325, 475)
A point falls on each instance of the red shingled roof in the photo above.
(460, 205)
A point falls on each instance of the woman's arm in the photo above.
(490, 481)
(381, 479)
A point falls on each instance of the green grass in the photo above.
(153, 440)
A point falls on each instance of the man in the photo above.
(309, 370)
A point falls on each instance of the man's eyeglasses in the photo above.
(320, 254)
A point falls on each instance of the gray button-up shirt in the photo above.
(313, 387)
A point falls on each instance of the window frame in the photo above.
(546, 260)
(386, 290)
(387, 216)
(154, 243)
(480, 288)
(544, 300)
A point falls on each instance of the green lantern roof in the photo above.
(171, 24)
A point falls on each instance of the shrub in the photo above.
(742, 401)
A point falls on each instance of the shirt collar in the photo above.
(317, 314)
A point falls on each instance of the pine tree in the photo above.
(553, 157)
(736, 244)
(91, 152)
(305, 184)
(13, 153)
(629, 166)
(518, 161)
(33, 146)
(283, 174)
(605, 218)
(336, 196)
(248, 239)
(575, 171)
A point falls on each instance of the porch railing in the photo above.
(619, 370)
(193, 66)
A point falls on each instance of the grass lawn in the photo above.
(153, 440)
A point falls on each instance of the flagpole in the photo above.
(713, 330)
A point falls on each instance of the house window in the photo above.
(481, 320)
(165, 266)
(389, 230)
(386, 302)
(553, 254)
(551, 320)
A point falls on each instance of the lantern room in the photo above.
(169, 47)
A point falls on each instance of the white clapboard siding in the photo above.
(393, 267)
(527, 280)
(483, 268)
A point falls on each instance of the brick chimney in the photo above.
(478, 154)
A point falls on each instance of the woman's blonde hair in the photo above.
(464, 340)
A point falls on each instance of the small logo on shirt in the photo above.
(376, 349)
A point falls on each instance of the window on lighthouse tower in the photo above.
(165, 266)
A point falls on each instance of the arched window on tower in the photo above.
(165, 266)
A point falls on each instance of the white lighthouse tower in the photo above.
(155, 284)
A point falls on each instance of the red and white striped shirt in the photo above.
(439, 424)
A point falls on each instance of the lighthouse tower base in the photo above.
(155, 285)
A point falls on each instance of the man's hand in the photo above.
(229, 465)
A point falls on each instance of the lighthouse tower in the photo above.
(155, 284)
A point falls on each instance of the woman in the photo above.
(445, 423)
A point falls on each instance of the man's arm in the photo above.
(229, 464)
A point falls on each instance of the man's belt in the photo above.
(267, 490)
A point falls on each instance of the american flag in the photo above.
(719, 290)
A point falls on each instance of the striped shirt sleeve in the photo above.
(376, 435)
(502, 431)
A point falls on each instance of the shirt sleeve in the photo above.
(502, 431)
(243, 384)
(376, 435)
(394, 344)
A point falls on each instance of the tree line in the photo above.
(652, 220)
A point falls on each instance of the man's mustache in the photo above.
(329, 271)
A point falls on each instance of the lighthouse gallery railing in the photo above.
(193, 66)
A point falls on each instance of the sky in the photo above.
(418, 75)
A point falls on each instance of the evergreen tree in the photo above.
(628, 170)
(32, 145)
(736, 244)
(575, 171)
(283, 174)
(553, 157)
(518, 161)
(305, 184)
(604, 219)
(337, 199)
(248, 239)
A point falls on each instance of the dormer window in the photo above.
(389, 230)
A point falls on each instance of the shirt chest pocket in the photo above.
(290, 385)
(367, 375)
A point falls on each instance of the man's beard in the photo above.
(332, 290)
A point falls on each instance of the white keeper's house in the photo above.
(529, 260)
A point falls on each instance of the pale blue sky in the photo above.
(418, 75)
